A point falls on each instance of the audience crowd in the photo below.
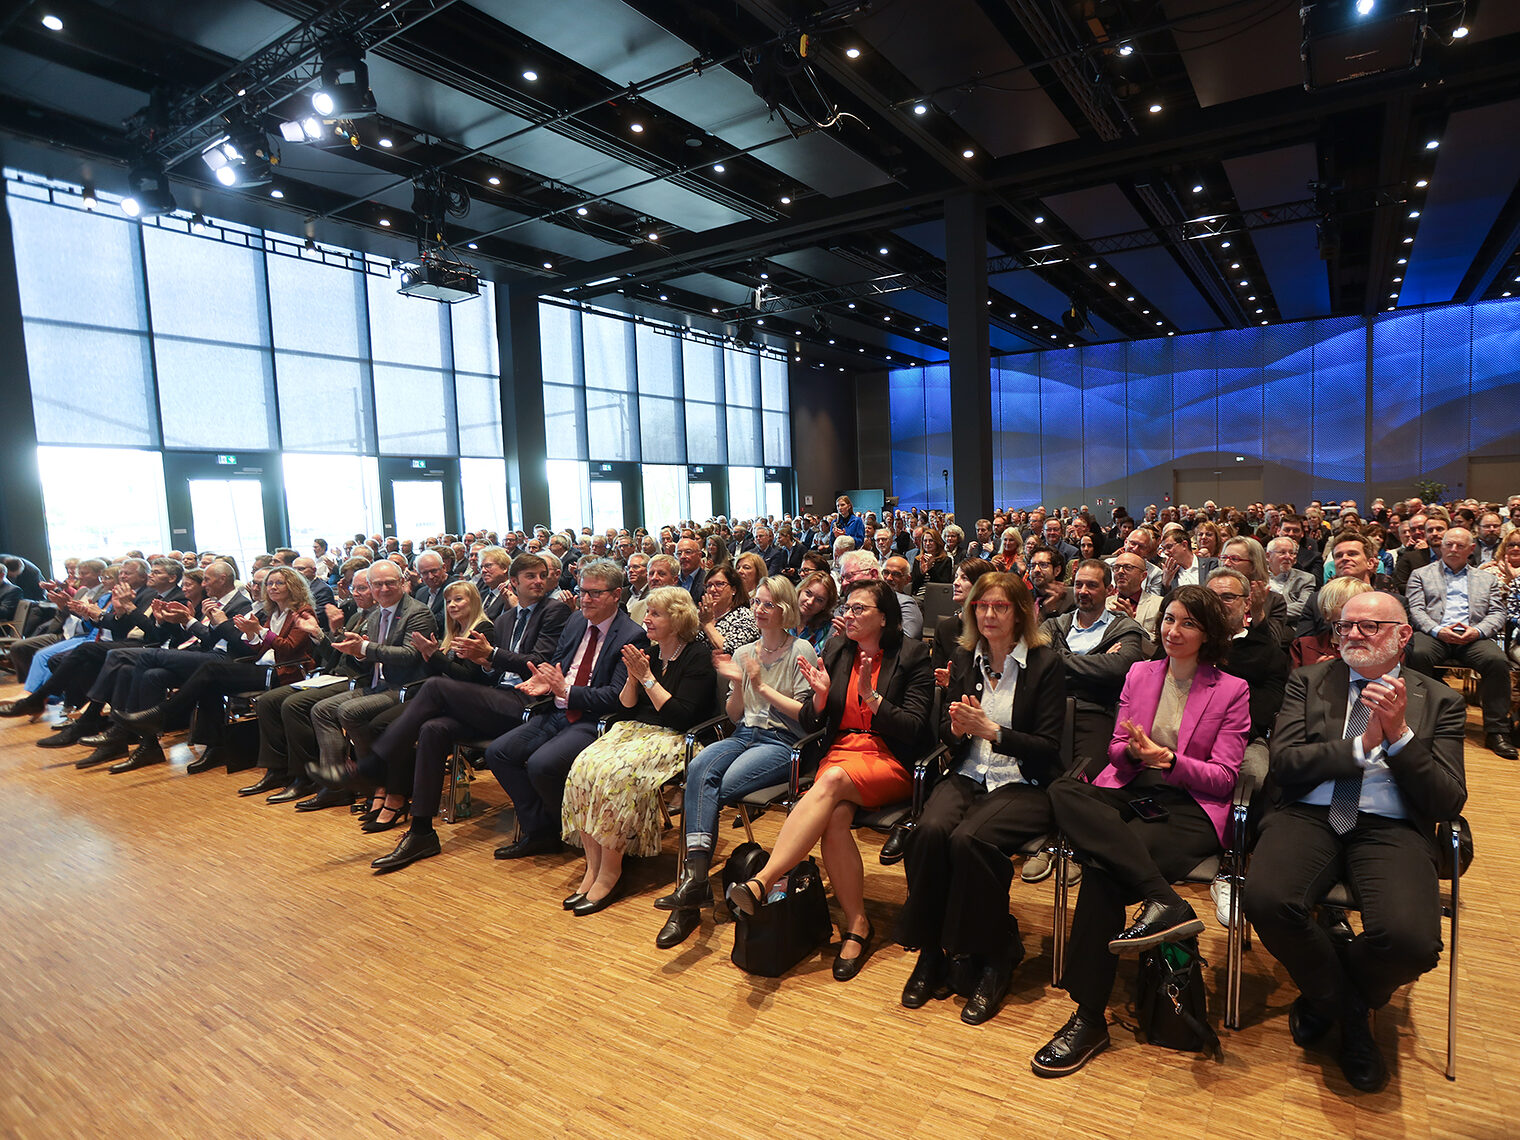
(579, 663)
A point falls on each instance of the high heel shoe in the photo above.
(371, 809)
(402, 814)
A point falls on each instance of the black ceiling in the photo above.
(1197, 215)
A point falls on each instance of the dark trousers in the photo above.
(1126, 860)
(958, 865)
(415, 746)
(113, 683)
(75, 671)
(287, 738)
(24, 650)
(1426, 653)
(155, 672)
(1392, 873)
(1092, 730)
(532, 763)
(205, 691)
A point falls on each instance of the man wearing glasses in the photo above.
(861, 565)
(1367, 759)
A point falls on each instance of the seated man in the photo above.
(1130, 597)
(1367, 758)
(70, 621)
(1182, 567)
(1296, 587)
(1052, 597)
(855, 565)
(584, 677)
(10, 594)
(1425, 532)
(1458, 614)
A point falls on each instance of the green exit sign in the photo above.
(227, 460)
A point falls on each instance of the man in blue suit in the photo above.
(583, 680)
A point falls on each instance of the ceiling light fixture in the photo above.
(663, 297)
(344, 91)
(385, 222)
(1421, 184)
(920, 109)
(882, 251)
(386, 143)
(1433, 144)
(852, 53)
(1459, 32)
(277, 193)
(548, 265)
(1414, 213)
(531, 76)
(1197, 189)
(494, 181)
(582, 211)
(636, 128)
(472, 245)
(1126, 49)
(1155, 108)
(52, 23)
(717, 168)
(653, 235)
(968, 153)
(786, 199)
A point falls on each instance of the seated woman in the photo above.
(83, 624)
(1177, 747)
(817, 595)
(276, 654)
(1312, 648)
(765, 695)
(725, 617)
(463, 614)
(871, 696)
(1009, 558)
(715, 554)
(1003, 718)
(933, 563)
(612, 795)
(752, 571)
(947, 633)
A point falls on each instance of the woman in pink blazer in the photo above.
(1152, 815)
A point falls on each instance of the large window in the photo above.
(331, 497)
(102, 502)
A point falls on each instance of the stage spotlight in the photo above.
(344, 92)
(1074, 319)
(309, 129)
(240, 157)
(148, 192)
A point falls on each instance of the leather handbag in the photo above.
(786, 929)
(1171, 1002)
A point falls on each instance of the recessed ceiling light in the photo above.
(1459, 32)
(1393, 296)
(1409, 241)
(385, 221)
(1039, 219)
(1013, 316)
(663, 297)
(472, 245)
(715, 310)
(386, 143)
(1092, 265)
(1243, 281)
(531, 76)
(1414, 213)
(1113, 284)
(1158, 324)
(831, 340)
(1403, 261)
(494, 181)
(887, 317)
(1129, 298)
(548, 265)
(882, 251)
(1263, 322)
(1252, 297)
(852, 53)
(582, 211)
(717, 168)
(764, 276)
(1145, 312)
(1224, 245)
(1155, 108)
(1396, 280)
(1126, 49)
(653, 236)
(761, 321)
(52, 23)
(1173, 332)
(1421, 184)
(852, 304)
(1234, 265)
(918, 328)
(1259, 311)
(277, 193)
(945, 339)
(920, 109)
(1432, 144)
(786, 200)
(1052, 336)
(968, 153)
(636, 128)
(1197, 189)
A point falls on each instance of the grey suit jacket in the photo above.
(402, 663)
(1295, 593)
(1427, 600)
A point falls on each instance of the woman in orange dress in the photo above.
(871, 697)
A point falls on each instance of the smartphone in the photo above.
(1149, 810)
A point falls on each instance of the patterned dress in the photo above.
(613, 790)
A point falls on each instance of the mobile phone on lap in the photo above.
(1149, 810)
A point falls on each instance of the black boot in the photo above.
(694, 889)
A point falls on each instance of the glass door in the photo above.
(418, 507)
(227, 517)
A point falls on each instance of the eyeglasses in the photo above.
(588, 592)
(994, 608)
(764, 607)
(1232, 559)
(1223, 597)
(1366, 627)
(855, 609)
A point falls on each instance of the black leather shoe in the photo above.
(104, 754)
(148, 720)
(992, 988)
(213, 757)
(690, 893)
(298, 790)
(531, 845)
(411, 848)
(847, 968)
(575, 900)
(928, 979)
(326, 798)
(70, 734)
(592, 906)
(678, 927)
(112, 732)
(1076, 1043)
(142, 756)
(965, 970)
(1499, 745)
(1157, 923)
(29, 705)
(1360, 1058)
(1307, 1025)
(270, 781)
(896, 846)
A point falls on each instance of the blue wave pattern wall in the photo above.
(1114, 420)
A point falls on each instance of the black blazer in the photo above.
(1258, 660)
(1096, 678)
(140, 617)
(1039, 712)
(545, 624)
(447, 665)
(1308, 749)
(906, 685)
(692, 683)
(698, 585)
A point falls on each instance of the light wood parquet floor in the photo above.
(176, 961)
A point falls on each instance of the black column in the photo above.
(522, 401)
(23, 529)
(970, 358)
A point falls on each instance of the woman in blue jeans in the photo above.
(765, 695)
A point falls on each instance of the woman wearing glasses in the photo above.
(871, 697)
(726, 620)
(1152, 815)
(766, 689)
(1002, 718)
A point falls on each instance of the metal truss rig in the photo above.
(1178, 234)
(276, 71)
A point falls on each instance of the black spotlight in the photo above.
(241, 156)
(344, 92)
(820, 322)
(148, 192)
(1074, 319)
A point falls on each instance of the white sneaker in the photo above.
(1220, 890)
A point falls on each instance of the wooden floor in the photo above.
(176, 961)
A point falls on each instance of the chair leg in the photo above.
(446, 800)
(749, 832)
(1058, 941)
(1234, 952)
(1456, 913)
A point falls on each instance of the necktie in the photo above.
(518, 626)
(385, 626)
(1347, 793)
(583, 674)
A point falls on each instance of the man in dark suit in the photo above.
(27, 576)
(1180, 566)
(1310, 558)
(1362, 775)
(435, 579)
(765, 546)
(583, 678)
(10, 596)
(495, 572)
(1424, 548)
(321, 592)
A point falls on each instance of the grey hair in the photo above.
(605, 571)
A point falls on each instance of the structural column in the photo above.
(522, 402)
(970, 357)
(22, 529)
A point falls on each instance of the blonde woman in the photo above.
(751, 570)
(611, 805)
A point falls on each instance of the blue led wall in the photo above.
(1115, 420)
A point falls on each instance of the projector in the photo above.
(1347, 40)
(438, 280)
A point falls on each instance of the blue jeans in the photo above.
(750, 759)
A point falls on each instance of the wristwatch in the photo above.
(649, 682)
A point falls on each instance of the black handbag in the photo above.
(747, 861)
(783, 932)
(1171, 1002)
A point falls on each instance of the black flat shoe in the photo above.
(326, 798)
(575, 900)
(142, 756)
(268, 782)
(1157, 923)
(72, 734)
(678, 927)
(207, 760)
(991, 989)
(411, 848)
(927, 980)
(103, 754)
(148, 720)
(531, 845)
(297, 790)
(896, 845)
(689, 893)
(1499, 745)
(592, 906)
(847, 968)
(742, 899)
(28, 705)
(1075, 1043)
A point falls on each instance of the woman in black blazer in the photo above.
(872, 697)
(1002, 717)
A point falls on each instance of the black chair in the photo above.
(938, 603)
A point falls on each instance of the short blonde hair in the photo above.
(755, 563)
(784, 594)
(677, 606)
(1334, 595)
